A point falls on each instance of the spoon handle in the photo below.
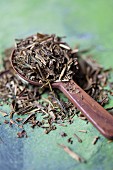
(94, 112)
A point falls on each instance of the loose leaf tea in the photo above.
(72, 154)
(22, 134)
(46, 59)
(3, 113)
(76, 136)
(37, 57)
(95, 140)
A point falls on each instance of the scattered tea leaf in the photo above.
(3, 113)
(95, 140)
(72, 154)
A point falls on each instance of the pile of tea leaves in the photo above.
(44, 58)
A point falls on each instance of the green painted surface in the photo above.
(84, 22)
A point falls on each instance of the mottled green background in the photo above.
(85, 22)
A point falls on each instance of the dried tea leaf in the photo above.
(72, 154)
(3, 113)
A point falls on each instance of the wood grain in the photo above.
(94, 112)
